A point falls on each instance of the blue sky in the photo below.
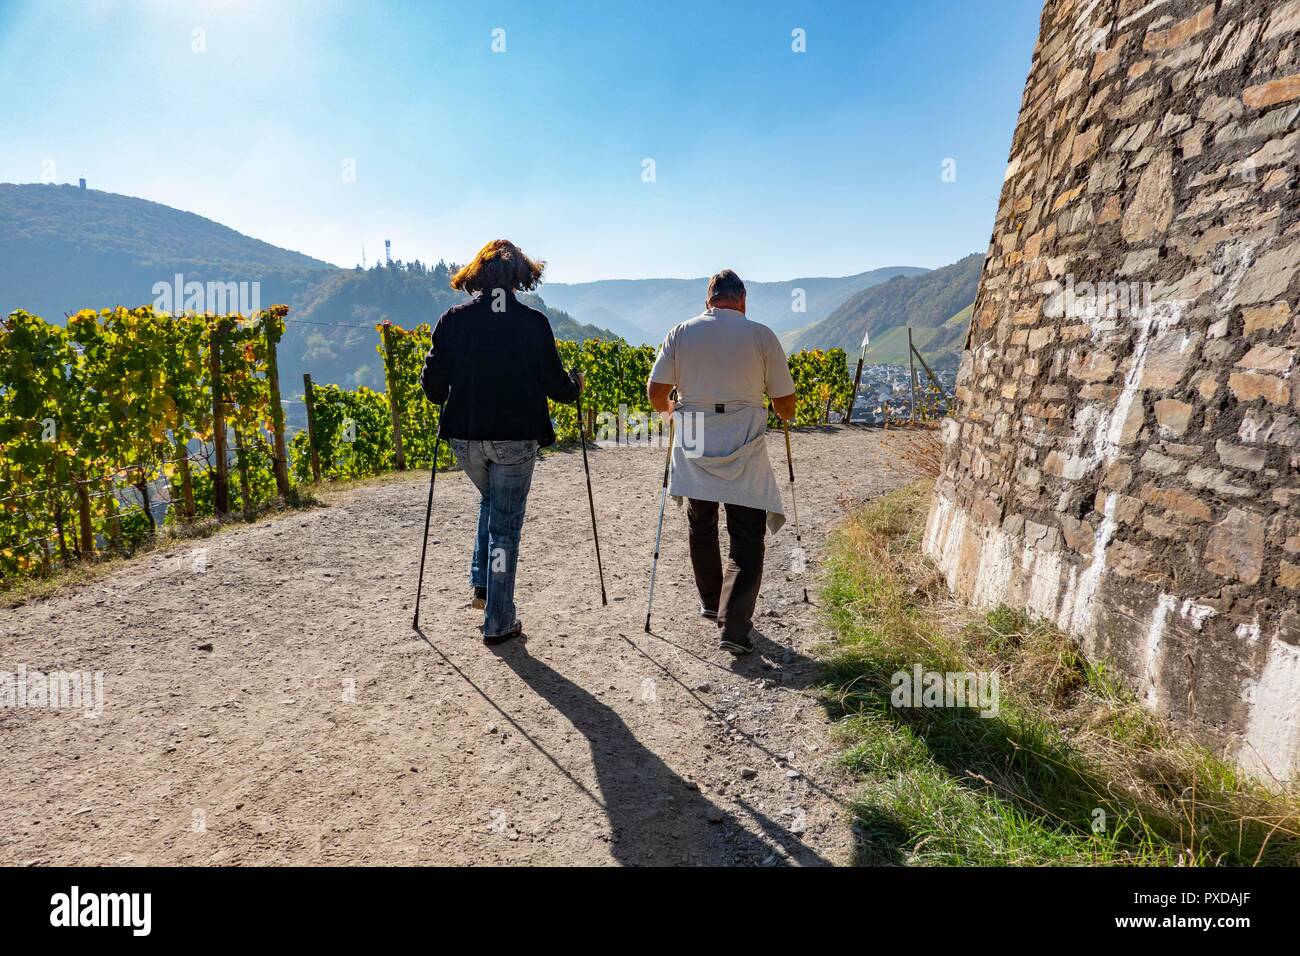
(776, 163)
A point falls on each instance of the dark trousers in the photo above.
(733, 593)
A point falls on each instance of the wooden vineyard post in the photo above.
(390, 380)
(141, 485)
(83, 519)
(241, 463)
(187, 483)
(911, 379)
(857, 380)
(943, 392)
(309, 397)
(620, 426)
(114, 517)
(58, 512)
(281, 466)
(221, 481)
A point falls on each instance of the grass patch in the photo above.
(1071, 770)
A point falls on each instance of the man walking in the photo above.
(721, 364)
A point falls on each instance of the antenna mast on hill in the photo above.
(363, 254)
(388, 252)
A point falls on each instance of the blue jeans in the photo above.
(502, 471)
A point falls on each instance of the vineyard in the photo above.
(128, 419)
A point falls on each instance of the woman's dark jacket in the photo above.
(495, 371)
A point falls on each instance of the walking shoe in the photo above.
(712, 615)
(738, 646)
(479, 601)
(494, 639)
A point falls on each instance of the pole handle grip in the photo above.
(789, 459)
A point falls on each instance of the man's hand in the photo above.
(784, 407)
(577, 377)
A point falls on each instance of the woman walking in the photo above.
(492, 367)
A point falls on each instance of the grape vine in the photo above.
(108, 423)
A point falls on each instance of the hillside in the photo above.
(936, 305)
(643, 310)
(63, 248)
(331, 333)
(565, 326)
(941, 345)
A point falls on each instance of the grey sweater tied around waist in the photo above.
(722, 456)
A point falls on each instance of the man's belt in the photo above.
(719, 408)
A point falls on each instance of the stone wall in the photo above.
(1123, 456)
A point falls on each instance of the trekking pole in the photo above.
(794, 503)
(582, 432)
(663, 500)
(428, 511)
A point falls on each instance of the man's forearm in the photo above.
(660, 396)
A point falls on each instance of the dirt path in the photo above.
(277, 707)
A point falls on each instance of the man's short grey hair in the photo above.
(725, 287)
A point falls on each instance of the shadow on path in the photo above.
(655, 817)
(747, 668)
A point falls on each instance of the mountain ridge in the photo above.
(650, 307)
(936, 305)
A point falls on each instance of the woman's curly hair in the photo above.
(499, 265)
